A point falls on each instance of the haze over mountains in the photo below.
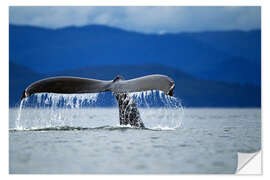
(210, 68)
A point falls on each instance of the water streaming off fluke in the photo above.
(157, 110)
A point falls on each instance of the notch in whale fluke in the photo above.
(75, 85)
(118, 77)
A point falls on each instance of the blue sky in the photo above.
(153, 19)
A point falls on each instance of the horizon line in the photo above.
(131, 31)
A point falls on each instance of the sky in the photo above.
(145, 19)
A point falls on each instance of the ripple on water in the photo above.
(159, 146)
(183, 145)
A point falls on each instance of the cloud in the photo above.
(148, 19)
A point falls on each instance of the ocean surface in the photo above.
(91, 141)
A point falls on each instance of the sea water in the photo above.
(90, 140)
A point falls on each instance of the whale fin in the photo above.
(128, 112)
(66, 85)
(145, 83)
(72, 85)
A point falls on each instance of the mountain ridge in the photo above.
(198, 54)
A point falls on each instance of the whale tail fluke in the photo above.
(128, 112)
(72, 85)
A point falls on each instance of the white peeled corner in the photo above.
(249, 163)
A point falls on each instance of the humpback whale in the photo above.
(128, 112)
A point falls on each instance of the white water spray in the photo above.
(157, 110)
(18, 119)
(168, 111)
(53, 102)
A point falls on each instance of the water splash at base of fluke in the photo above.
(168, 112)
(53, 102)
(49, 110)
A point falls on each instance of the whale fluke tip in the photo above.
(170, 93)
(23, 95)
